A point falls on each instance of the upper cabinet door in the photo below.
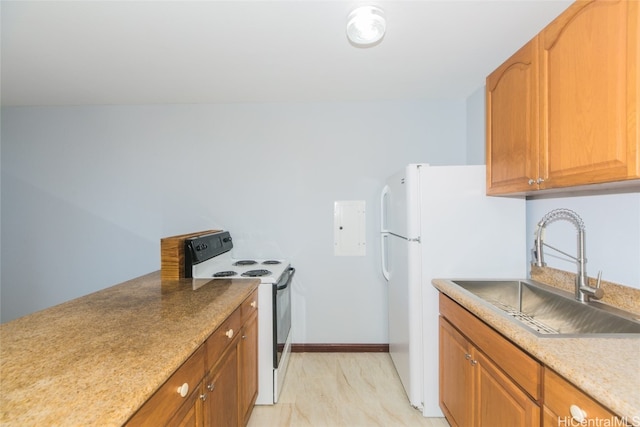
(589, 94)
(512, 123)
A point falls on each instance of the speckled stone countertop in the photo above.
(607, 369)
(96, 359)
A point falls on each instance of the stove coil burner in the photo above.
(271, 262)
(245, 262)
(225, 273)
(256, 273)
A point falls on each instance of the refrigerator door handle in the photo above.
(383, 253)
(383, 218)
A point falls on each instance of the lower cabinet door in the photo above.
(499, 401)
(474, 392)
(190, 414)
(248, 368)
(456, 382)
(221, 403)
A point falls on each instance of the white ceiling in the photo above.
(161, 52)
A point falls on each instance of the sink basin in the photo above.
(550, 312)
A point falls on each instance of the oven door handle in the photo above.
(291, 272)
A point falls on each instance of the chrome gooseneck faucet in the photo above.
(583, 291)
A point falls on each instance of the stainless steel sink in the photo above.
(550, 312)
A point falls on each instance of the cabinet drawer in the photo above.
(167, 400)
(222, 337)
(521, 367)
(559, 395)
(249, 306)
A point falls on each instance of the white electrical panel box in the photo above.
(349, 228)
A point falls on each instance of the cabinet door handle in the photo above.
(253, 304)
(211, 386)
(203, 396)
(539, 180)
(474, 362)
(229, 333)
(467, 356)
(183, 390)
(531, 181)
(578, 414)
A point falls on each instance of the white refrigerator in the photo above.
(437, 222)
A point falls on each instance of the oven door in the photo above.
(281, 314)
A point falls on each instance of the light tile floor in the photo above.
(341, 390)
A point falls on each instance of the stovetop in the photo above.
(210, 257)
(226, 267)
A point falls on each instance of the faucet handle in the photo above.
(597, 292)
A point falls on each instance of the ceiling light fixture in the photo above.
(366, 25)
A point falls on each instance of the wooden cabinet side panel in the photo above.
(172, 255)
(512, 122)
(455, 376)
(500, 401)
(585, 73)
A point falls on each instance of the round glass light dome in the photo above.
(366, 25)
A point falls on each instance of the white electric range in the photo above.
(209, 257)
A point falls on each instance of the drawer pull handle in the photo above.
(183, 390)
(253, 304)
(578, 413)
(229, 333)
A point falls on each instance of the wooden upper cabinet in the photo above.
(589, 94)
(512, 122)
(563, 111)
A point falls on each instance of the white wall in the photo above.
(87, 193)
(476, 125)
(612, 224)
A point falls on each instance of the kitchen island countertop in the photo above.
(96, 359)
(607, 369)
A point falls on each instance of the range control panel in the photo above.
(202, 248)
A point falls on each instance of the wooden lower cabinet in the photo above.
(559, 398)
(474, 391)
(500, 402)
(248, 368)
(456, 376)
(168, 405)
(487, 381)
(190, 413)
(221, 379)
(222, 392)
